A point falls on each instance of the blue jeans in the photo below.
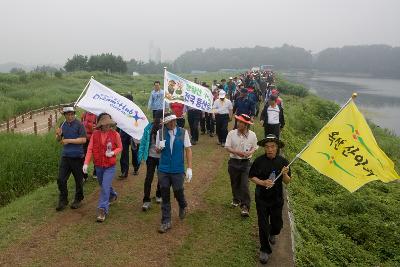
(167, 180)
(105, 177)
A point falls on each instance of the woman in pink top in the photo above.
(104, 145)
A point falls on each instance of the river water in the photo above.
(378, 99)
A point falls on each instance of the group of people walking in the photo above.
(166, 144)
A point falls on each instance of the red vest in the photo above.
(99, 149)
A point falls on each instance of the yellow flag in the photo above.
(346, 151)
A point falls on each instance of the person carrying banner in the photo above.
(149, 153)
(268, 193)
(171, 169)
(88, 120)
(223, 114)
(71, 134)
(156, 98)
(104, 145)
(241, 143)
(272, 117)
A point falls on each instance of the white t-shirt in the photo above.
(273, 114)
(172, 133)
(243, 143)
(222, 107)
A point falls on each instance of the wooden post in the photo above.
(8, 126)
(48, 124)
(55, 117)
(44, 110)
(51, 120)
(23, 118)
(35, 127)
(15, 122)
(30, 114)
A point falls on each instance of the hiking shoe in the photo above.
(158, 200)
(182, 213)
(61, 205)
(146, 206)
(235, 203)
(113, 198)
(263, 257)
(76, 204)
(272, 239)
(164, 227)
(101, 216)
(244, 212)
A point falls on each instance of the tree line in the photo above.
(375, 60)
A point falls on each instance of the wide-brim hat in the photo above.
(244, 118)
(271, 138)
(105, 120)
(169, 118)
(68, 109)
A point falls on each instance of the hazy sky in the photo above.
(50, 31)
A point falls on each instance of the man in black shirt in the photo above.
(268, 196)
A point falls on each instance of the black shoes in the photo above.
(61, 205)
(76, 204)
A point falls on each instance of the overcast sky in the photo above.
(50, 31)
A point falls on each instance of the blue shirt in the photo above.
(156, 100)
(73, 130)
(244, 106)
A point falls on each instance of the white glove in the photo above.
(84, 168)
(161, 145)
(109, 154)
(189, 175)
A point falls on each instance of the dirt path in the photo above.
(129, 236)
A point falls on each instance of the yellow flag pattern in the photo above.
(346, 151)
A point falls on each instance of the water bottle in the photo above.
(109, 147)
(272, 176)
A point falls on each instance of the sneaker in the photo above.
(263, 257)
(244, 212)
(101, 216)
(123, 175)
(76, 204)
(113, 198)
(234, 203)
(158, 200)
(61, 205)
(272, 239)
(182, 213)
(146, 206)
(164, 227)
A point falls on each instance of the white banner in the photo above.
(177, 89)
(128, 116)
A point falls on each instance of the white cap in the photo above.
(222, 94)
(230, 78)
(68, 109)
(169, 118)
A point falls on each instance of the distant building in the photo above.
(135, 73)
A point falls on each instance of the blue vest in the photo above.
(173, 163)
(71, 131)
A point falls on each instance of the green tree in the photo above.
(76, 63)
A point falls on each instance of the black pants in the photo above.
(124, 160)
(203, 124)
(210, 123)
(221, 121)
(68, 166)
(269, 223)
(194, 117)
(272, 129)
(152, 164)
(239, 174)
(159, 111)
(180, 122)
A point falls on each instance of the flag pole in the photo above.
(84, 90)
(353, 96)
(163, 110)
